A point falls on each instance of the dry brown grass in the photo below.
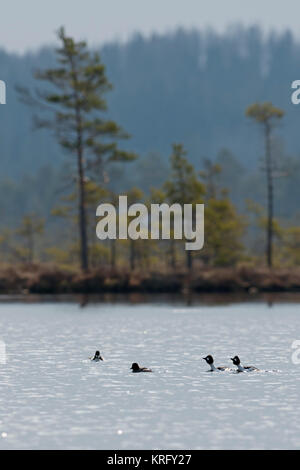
(49, 279)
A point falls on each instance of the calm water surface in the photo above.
(53, 397)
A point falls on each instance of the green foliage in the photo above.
(77, 83)
(291, 246)
(78, 88)
(210, 177)
(60, 256)
(75, 101)
(224, 229)
(30, 229)
(264, 112)
(183, 186)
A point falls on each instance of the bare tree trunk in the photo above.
(132, 255)
(189, 260)
(30, 245)
(82, 212)
(81, 200)
(173, 253)
(112, 253)
(269, 248)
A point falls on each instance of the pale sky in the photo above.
(29, 24)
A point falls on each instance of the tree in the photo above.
(66, 211)
(291, 243)
(75, 101)
(158, 196)
(210, 175)
(114, 199)
(266, 115)
(223, 229)
(6, 244)
(183, 186)
(31, 227)
(134, 196)
(258, 219)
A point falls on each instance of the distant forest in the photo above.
(185, 87)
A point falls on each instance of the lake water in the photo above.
(53, 397)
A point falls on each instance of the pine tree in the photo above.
(74, 102)
(266, 115)
(30, 229)
(183, 186)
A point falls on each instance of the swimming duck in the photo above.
(136, 368)
(210, 360)
(236, 361)
(97, 357)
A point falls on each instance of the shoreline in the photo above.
(178, 301)
(51, 280)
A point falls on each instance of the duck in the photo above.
(136, 368)
(97, 357)
(210, 360)
(240, 368)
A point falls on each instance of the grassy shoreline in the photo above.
(53, 280)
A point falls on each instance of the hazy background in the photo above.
(30, 24)
(181, 71)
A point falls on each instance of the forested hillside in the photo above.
(189, 87)
(185, 86)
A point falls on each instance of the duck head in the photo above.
(236, 360)
(209, 359)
